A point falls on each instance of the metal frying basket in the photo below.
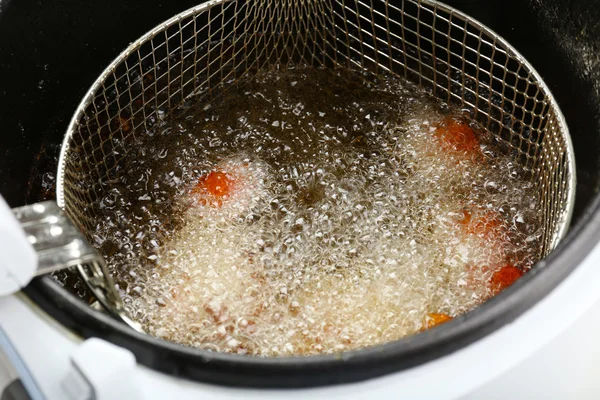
(200, 52)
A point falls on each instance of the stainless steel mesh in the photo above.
(200, 52)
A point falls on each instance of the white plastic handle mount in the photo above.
(18, 259)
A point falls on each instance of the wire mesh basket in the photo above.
(198, 54)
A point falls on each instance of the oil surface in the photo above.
(348, 224)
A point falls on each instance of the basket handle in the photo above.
(39, 239)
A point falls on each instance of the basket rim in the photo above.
(565, 218)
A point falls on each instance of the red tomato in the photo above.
(213, 188)
(456, 136)
(504, 277)
(486, 224)
(433, 319)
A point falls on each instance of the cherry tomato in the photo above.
(504, 277)
(433, 319)
(456, 136)
(486, 224)
(214, 187)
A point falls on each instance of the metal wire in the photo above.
(201, 51)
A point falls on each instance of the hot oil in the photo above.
(348, 223)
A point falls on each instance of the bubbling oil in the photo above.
(346, 228)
